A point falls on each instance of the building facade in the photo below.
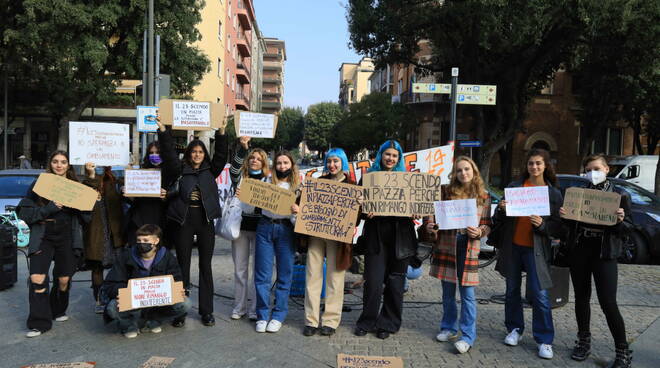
(273, 76)
(354, 81)
(238, 55)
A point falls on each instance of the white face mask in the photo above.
(596, 177)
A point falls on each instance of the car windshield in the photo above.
(15, 186)
(639, 196)
(615, 170)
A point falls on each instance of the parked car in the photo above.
(638, 170)
(485, 250)
(644, 240)
(14, 185)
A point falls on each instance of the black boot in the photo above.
(582, 347)
(623, 357)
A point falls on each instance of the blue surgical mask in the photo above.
(255, 172)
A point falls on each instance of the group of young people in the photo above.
(189, 204)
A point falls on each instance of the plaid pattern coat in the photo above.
(443, 258)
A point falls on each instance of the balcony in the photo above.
(272, 92)
(275, 105)
(242, 74)
(270, 65)
(243, 13)
(273, 55)
(243, 44)
(272, 79)
(242, 101)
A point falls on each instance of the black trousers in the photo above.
(45, 306)
(587, 261)
(384, 276)
(196, 224)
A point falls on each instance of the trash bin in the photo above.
(558, 293)
(298, 281)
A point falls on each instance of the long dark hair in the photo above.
(548, 174)
(70, 172)
(188, 152)
(146, 164)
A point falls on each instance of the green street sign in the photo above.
(466, 94)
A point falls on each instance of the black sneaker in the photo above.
(310, 331)
(208, 320)
(327, 331)
(179, 322)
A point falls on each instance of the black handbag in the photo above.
(175, 188)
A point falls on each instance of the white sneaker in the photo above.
(462, 346)
(513, 338)
(130, 334)
(62, 318)
(274, 326)
(545, 351)
(33, 333)
(445, 335)
(261, 326)
(156, 329)
(236, 316)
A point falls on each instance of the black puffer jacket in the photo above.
(204, 177)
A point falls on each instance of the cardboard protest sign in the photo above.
(267, 196)
(191, 115)
(146, 119)
(150, 292)
(67, 192)
(527, 201)
(456, 214)
(157, 362)
(363, 361)
(142, 183)
(328, 209)
(400, 193)
(591, 206)
(104, 144)
(62, 365)
(252, 124)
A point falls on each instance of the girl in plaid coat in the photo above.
(455, 257)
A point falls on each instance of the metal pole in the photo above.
(143, 136)
(153, 136)
(454, 88)
(150, 59)
(6, 115)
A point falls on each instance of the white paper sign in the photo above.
(191, 114)
(151, 292)
(146, 119)
(104, 144)
(142, 183)
(456, 214)
(527, 201)
(252, 124)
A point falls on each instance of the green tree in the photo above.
(516, 45)
(320, 123)
(371, 121)
(75, 51)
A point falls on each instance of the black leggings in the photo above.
(587, 261)
(196, 224)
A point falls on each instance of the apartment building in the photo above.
(273, 76)
(354, 81)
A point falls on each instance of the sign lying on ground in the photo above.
(267, 196)
(328, 209)
(363, 361)
(157, 362)
(104, 144)
(67, 192)
(252, 124)
(148, 292)
(456, 214)
(142, 183)
(62, 365)
(527, 201)
(591, 206)
(146, 119)
(400, 193)
(191, 115)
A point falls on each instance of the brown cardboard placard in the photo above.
(62, 365)
(142, 183)
(364, 361)
(148, 292)
(328, 209)
(216, 115)
(257, 125)
(157, 362)
(267, 196)
(67, 192)
(591, 206)
(387, 193)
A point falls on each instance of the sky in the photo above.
(315, 33)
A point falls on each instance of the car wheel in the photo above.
(635, 250)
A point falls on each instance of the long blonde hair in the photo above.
(476, 188)
(245, 169)
(293, 178)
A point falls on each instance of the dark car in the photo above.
(14, 185)
(644, 240)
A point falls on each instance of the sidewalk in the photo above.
(235, 344)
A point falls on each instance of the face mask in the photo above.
(596, 177)
(282, 175)
(143, 248)
(255, 172)
(155, 159)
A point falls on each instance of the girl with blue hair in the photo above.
(335, 168)
(390, 243)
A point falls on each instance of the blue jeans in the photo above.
(542, 327)
(274, 240)
(468, 320)
(132, 320)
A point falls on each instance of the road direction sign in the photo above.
(443, 88)
(467, 94)
(470, 143)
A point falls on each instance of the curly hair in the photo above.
(263, 156)
(476, 188)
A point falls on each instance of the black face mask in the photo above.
(283, 174)
(143, 248)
